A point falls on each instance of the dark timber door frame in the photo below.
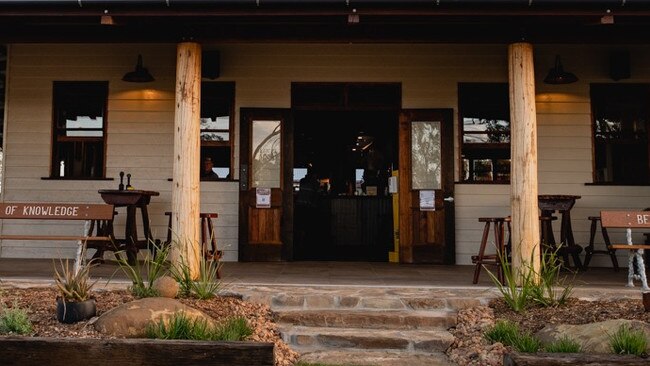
(265, 233)
(426, 236)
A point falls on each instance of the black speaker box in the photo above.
(619, 65)
(210, 64)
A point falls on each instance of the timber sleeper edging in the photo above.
(26, 351)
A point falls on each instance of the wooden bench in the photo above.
(629, 220)
(98, 219)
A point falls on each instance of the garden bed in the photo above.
(41, 307)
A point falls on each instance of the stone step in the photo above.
(312, 338)
(324, 301)
(376, 358)
(384, 319)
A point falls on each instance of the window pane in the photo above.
(426, 155)
(491, 130)
(266, 154)
(76, 159)
(81, 125)
(215, 162)
(483, 170)
(218, 123)
(215, 136)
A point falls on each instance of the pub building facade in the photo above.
(406, 113)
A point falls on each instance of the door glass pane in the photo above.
(266, 154)
(426, 155)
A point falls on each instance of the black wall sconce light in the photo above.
(140, 75)
(557, 75)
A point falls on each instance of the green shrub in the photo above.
(180, 326)
(552, 289)
(516, 290)
(526, 343)
(563, 345)
(14, 320)
(155, 266)
(206, 285)
(503, 331)
(545, 288)
(627, 341)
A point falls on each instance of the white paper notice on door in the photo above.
(262, 197)
(427, 200)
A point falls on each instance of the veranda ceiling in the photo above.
(440, 21)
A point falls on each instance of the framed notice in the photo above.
(262, 197)
(427, 200)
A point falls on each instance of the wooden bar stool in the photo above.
(563, 249)
(590, 251)
(498, 226)
(208, 237)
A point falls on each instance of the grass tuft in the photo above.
(526, 343)
(155, 267)
(627, 341)
(564, 345)
(503, 331)
(180, 326)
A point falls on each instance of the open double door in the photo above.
(426, 207)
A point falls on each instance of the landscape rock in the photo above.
(593, 337)
(166, 286)
(130, 320)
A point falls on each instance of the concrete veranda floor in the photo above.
(369, 274)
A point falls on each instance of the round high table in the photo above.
(132, 200)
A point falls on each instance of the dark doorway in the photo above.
(351, 154)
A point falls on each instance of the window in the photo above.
(484, 116)
(79, 129)
(620, 125)
(217, 110)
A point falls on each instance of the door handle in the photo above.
(448, 199)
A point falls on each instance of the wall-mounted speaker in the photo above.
(619, 65)
(210, 64)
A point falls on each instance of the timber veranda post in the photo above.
(186, 200)
(523, 155)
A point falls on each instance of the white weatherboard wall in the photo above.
(140, 120)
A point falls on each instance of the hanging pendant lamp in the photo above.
(140, 75)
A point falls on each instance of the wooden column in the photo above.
(523, 177)
(186, 200)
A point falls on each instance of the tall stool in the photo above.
(208, 238)
(563, 249)
(590, 251)
(498, 226)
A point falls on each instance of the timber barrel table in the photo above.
(132, 200)
(548, 204)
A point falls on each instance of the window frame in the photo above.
(58, 93)
(211, 144)
(494, 151)
(597, 91)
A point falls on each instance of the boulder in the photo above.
(594, 337)
(166, 286)
(130, 320)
